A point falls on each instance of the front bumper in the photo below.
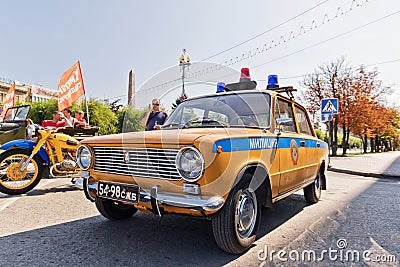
(158, 201)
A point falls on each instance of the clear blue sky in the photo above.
(42, 39)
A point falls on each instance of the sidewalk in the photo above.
(380, 165)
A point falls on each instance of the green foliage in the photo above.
(108, 119)
(115, 106)
(320, 134)
(42, 110)
(102, 116)
(129, 120)
(354, 142)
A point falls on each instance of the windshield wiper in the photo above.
(173, 125)
(248, 126)
(209, 122)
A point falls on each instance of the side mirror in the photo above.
(281, 122)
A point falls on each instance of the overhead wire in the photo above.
(269, 30)
(248, 40)
(340, 11)
(302, 30)
(329, 39)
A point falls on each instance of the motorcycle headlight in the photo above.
(190, 164)
(30, 132)
(83, 157)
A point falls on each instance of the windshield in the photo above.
(228, 110)
(17, 114)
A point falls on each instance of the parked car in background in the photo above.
(221, 156)
(14, 125)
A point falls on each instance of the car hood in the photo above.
(170, 137)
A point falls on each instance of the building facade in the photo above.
(25, 92)
(21, 92)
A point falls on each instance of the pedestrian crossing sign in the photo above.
(329, 106)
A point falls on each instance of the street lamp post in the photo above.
(184, 62)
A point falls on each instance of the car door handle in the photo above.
(302, 143)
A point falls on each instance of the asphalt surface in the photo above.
(55, 225)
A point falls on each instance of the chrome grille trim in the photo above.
(156, 163)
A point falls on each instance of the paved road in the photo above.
(55, 226)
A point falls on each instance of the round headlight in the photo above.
(190, 164)
(30, 131)
(84, 157)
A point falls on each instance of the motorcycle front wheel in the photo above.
(12, 180)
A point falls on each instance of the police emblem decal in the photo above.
(294, 151)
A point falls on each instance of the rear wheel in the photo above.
(114, 210)
(12, 180)
(312, 193)
(235, 226)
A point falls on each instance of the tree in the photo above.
(102, 116)
(361, 97)
(42, 110)
(115, 106)
(129, 120)
(324, 83)
(367, 108)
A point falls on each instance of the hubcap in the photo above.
(13, 172)
(12, 178)
(246, 213)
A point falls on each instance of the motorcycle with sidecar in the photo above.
(43, 153)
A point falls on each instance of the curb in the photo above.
(375, 175)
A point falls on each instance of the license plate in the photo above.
(120, 192)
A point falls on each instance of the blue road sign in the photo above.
(327, 117)
(329, 106)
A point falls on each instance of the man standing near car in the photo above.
(156, 118)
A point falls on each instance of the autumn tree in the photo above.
(368, 109)
(325, 83)
(361, 102)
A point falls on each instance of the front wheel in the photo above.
(235, 226)
(114, 210)
(12, 180)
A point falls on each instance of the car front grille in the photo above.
(143, 162)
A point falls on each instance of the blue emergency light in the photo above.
(272, 81)
(220, 87)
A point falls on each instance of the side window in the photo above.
(302, 120)
(283, 110)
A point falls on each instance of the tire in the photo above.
(114, 210)
(14, 183)
(312, 193)
(235, 226)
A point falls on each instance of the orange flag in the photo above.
(9, 100)
(70, 87)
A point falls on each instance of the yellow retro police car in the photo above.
(221, 156)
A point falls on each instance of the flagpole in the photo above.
(87, 110)
(84, 93)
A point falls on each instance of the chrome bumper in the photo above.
(193, 202)
(157, 200)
